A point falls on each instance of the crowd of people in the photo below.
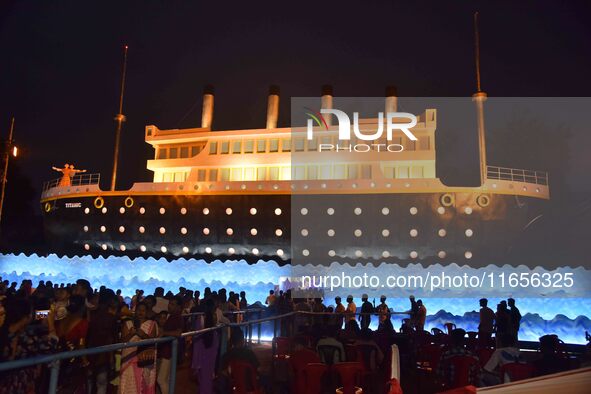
(52, 318)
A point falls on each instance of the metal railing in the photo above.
(517, 175)
(76, 180)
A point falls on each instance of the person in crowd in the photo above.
(365, 338)
(173, 326)
(150, 302)
(137, 298)
(119, 296)
(318, 307)
(339, 313)
(506, 352)
(102, 331)
(413, 312)
(302, 321)
(329, 339)
(351, 308)
(60, 304)
(138, 365)
(196, 300)
(502, 321)
(351, 332)
(421, 316)
(366, 311)
(383, 310)
(446, 370)
(161, 301)
(550, 360)
(514, 318)
(205, 348)
(486, 324)
(243, 302)
(270, 301)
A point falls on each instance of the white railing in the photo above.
(517, 175)
(76, 180)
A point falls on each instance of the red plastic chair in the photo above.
(244, 378)
(298, 361)
(516, 371)
(313, 375)
(449, 327)
(484, 355)
(350, 374)
(281, 347)
(462, 366)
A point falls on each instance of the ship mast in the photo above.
(119, 118)
(479, 98)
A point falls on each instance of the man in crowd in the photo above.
(515, 318)
(486, 325)
(366, 311)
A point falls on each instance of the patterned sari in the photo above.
(135, 379)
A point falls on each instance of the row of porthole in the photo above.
(185, 249)
(385, 211)
(206, 211)
(184, 231)
(385, 254)
(386, 232)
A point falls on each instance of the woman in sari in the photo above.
(138, 366)
(205, 349)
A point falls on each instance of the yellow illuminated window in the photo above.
(162, 153)
(325, 172)
(173, 153)
(366, 171)
(167, 177)
(403, 172)
(390, 172)
(313, 172)
(236, 174)
(248, 146)
(184, 152)
(299, 144)
(273, 173)
(180, 176)
(213, 175)
(313, 144)
(416, 172)
(261, 173)
(352, 171)
(285, 173)
(249, 174)
(298, 172)
(286, 145)
(201, 175)
(273, 145)
(261, 146)
(213, 148)
(340, 172)
(225, 174)
(225, 148)
(195, 150)
(236, 146)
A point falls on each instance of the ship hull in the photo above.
(404, 228)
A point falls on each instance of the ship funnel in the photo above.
(391, 99)
(479, 98)
(326, 102)
(207, 112)
(273, 107)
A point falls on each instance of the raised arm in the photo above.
(57, 169)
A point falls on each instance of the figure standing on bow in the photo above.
(68, 172)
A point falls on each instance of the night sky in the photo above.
(61, 64)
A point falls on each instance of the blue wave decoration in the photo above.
(565, 313)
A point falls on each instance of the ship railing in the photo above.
(517, 175)
(76, 180)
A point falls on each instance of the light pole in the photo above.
(7, 151)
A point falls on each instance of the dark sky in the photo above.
(61, 61)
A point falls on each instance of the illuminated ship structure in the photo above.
(272, 194)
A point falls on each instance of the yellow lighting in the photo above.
(14, 151)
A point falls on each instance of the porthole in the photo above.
(385, 211)
(446, 200)
(385, 254)
(253, 211)
(385, 232)
(330, 211)
(206, 211)
(228, 211)
(86, 210)
(357, 211)
(206, 231)
(304, 232)
(185, 250)
(358, 233)
(255, 251)
(331, 253)
(413, 210)
(358, 253)
(128, 202)
(86, 247)
(229, 231)
(442, 232)
(468, 210)
(122, 248)
(208, 250)
(305, 252)
(440, 210)
(163, 249)
(85, 229)
(253, 231)
(103, 229)
(99, 202)
(121, 229)
(330, 232)
(183, 230)
(304, 211)
(414, 232)
(142, 229)
(183, 211)
(469, 232)
(142, 210)
(483, 200)
(278, 211)
(122, 210)
(104, 246)
(162, 211)
(468, 254)
(279, 252)
(279, 232)
(143, 248)
(104, 210)
(231, 250)
(441, 254)
(162, 230)
(414, 254)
